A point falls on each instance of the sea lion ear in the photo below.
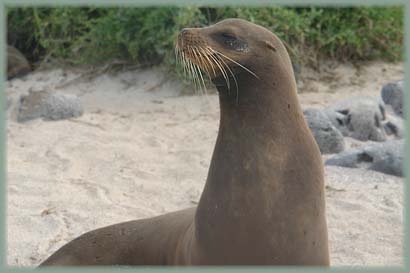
(270, 46)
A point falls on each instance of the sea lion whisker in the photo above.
(195, 72)
(177, 54)
(194, 76)
(198, 59)
(188, 67)
(199, 70)
(181, 58)
(184, 63)
(206, 61)
(226, 76)
(202, 80)
(206, 65)
(235, 62)
(223, 71)
(176, 51)
(191, 69)
(234, 78)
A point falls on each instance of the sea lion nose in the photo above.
(183, 32)
(182, 36)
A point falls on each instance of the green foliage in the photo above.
(356, 33)
(47, 31)
(337, 33)
(147, 35)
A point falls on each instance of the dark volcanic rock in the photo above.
(359, 117)
(48, 106)
(329, 139)
(338, 120)
(385, 157)
(63, 106)
(17, 64)
(393, 94)
(394, 125)
(32, 106)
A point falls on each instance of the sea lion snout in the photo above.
(189, 37)
(183, 32)
(221, 51)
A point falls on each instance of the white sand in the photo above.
(141, 149)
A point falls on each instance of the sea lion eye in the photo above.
(228, 36)
(233, 42)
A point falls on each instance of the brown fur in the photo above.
(263, 202)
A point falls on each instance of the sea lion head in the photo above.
(232, 48)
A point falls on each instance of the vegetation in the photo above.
(147, 35)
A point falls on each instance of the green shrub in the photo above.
(46, 31)
(337, 33)
(147, 35)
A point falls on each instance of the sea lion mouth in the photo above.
(196, 55)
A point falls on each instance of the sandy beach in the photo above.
(142, 148)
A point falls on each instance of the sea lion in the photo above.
(263, 201)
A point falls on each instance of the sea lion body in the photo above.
(153, 241)
(263, 201)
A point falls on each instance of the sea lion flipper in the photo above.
(139, 242)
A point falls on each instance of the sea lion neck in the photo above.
(260, 124)
(257, 103)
